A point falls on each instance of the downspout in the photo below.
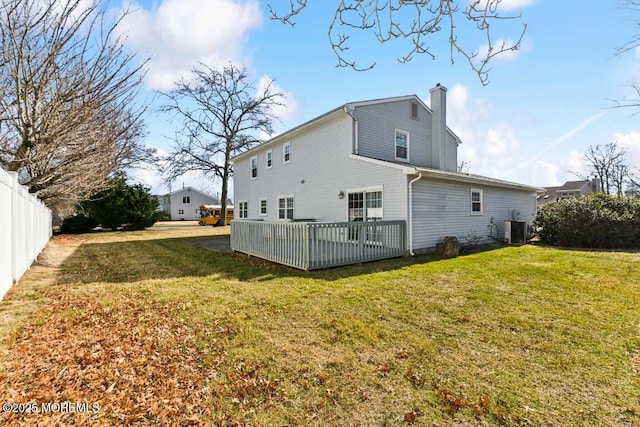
(350, 111)
(411, 213)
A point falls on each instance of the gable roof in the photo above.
(188, 189)
(570, 186)
(343, 109)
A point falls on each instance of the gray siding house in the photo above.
(378, 160)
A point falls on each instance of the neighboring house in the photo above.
(383, 159)
(569, 190)
(184, 204)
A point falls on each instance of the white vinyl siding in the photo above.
(441, 208)
(321, 170)
(376, 132)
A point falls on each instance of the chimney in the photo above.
(438, 126)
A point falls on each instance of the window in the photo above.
(263, 207)
(186, 199)
(402, 145)
(243, 209)
(269, 159)
(286, 152)
(285, 207)
(365, 205)
(180, 211)
(254, 167)
(414, 110)
(476, 202)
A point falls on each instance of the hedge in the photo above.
(593, 221)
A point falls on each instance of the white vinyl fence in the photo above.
(25, 229)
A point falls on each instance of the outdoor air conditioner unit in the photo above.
(515, 232)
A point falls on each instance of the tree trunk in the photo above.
(225, 189)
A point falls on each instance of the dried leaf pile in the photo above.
(133, 357)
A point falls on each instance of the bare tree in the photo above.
(633, 6)
(417, 21)
(608, 164)
(221, 114)
(67, 87)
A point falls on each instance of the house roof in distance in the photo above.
(187, 189)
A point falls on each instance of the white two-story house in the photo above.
(383, 159)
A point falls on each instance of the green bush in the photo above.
(77, 224)
(123, 207)
(593, 221)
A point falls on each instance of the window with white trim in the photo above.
(365, 205)
(180, 211)
(263, 207)
(186, 200)
(269, 159)
(243, 209)
(402, 145)
(254, 167)
(286, 152)
(285, 207)
(476, 202)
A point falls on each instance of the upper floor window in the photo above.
(186, 199)
(476, 202)
(402, 145)
(286, 152)
(269, 159)
(254, 167)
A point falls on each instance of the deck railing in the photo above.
(315, 245)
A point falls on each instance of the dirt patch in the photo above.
(26, 295)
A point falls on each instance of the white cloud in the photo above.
(177, 34)
(575, 163)
(631, 143)
(290, 105)
(488, 149)
(546, 174)
(510, 5)
(501, 145)
(462, 117)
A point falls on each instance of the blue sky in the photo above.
(543, 107)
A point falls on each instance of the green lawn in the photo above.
(159, 331)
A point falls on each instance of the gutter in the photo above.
(410, 227)
(348, 110)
